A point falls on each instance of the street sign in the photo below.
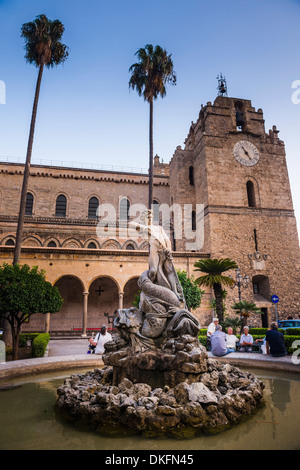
(275, 299)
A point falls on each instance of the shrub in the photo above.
(39, 344)
(258, 331)
(203, 332)
(292, 331)
(24, 337)
(288, 341)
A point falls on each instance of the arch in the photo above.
(251, 191)
(144, 246)
(51, 240)
(32, 241)
(71, 289)
(194, 220)
(93, 207)
(111, 244)
(131, 290)
(130, 245)
(29, 204)
(103, 299)
(92, 245)
(72, 243)
(61, 206)
(124, 207)
(250, 194)
(9, 242)
(90, 241)
(51, 244)
(239, 115)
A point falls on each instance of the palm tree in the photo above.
(244, 308)
(214, 278)
(43, 49)
(149, 77)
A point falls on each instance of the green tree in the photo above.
(192, 293)
(149, 76)
(234, 322)
(214, 278)
(245, 308)
(43, 49)
(24, 292)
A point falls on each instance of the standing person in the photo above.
(275, 342)
(246, 341)
(101, 338)
(218, 343)
(231, 339)
(210, 330)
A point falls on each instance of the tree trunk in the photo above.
(219, 301)
(151, 155)
(19, 236)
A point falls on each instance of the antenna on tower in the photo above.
(222, 85)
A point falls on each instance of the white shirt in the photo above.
(211, 329)
(247, 338)
(231, 341)
(101, 340)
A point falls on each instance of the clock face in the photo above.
(246, 153)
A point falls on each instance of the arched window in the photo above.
(239, 116)
(52, 244)
(29, 204)
(155, 207)
(61, 206)
(193, 220)
(93, 206)
(251, 194)
(92, 245)
(191, 175)
(10, 242)
(124, 210)
(130, 246)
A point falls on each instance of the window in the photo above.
(29, 204)
(251, 194)
(10, 242)
(130, 246)
(155, 207)
(52, 244)
(193, 220)
(61, 206)
(191, 175)
(239, 116)
(124, 210)
(93, 206)
(92, 245)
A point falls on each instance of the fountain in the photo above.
(158, 379)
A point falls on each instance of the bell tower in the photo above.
(240, 176)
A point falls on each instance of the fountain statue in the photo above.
(157, 377)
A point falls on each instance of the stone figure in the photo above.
(162, 312)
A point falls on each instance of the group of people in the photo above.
(221, 343)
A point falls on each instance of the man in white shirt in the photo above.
(212, 327)
(246, 341)
(210, 330)
(101, 338)
(231, 339)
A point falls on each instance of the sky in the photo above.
(86, 112)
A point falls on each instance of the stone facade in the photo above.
(245, 207)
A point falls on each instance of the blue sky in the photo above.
(87, 113)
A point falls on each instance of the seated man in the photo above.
(218, 343)
(231, 339)
(246, 341)
(275, 342)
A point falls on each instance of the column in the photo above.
(47, 323)
(121, 295)
(84, 318)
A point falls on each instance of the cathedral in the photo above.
(226, 194)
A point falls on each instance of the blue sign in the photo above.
(275, 299)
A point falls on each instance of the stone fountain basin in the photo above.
(222, 396)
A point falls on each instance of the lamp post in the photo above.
(240, 281)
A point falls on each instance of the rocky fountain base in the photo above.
(177, 392)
